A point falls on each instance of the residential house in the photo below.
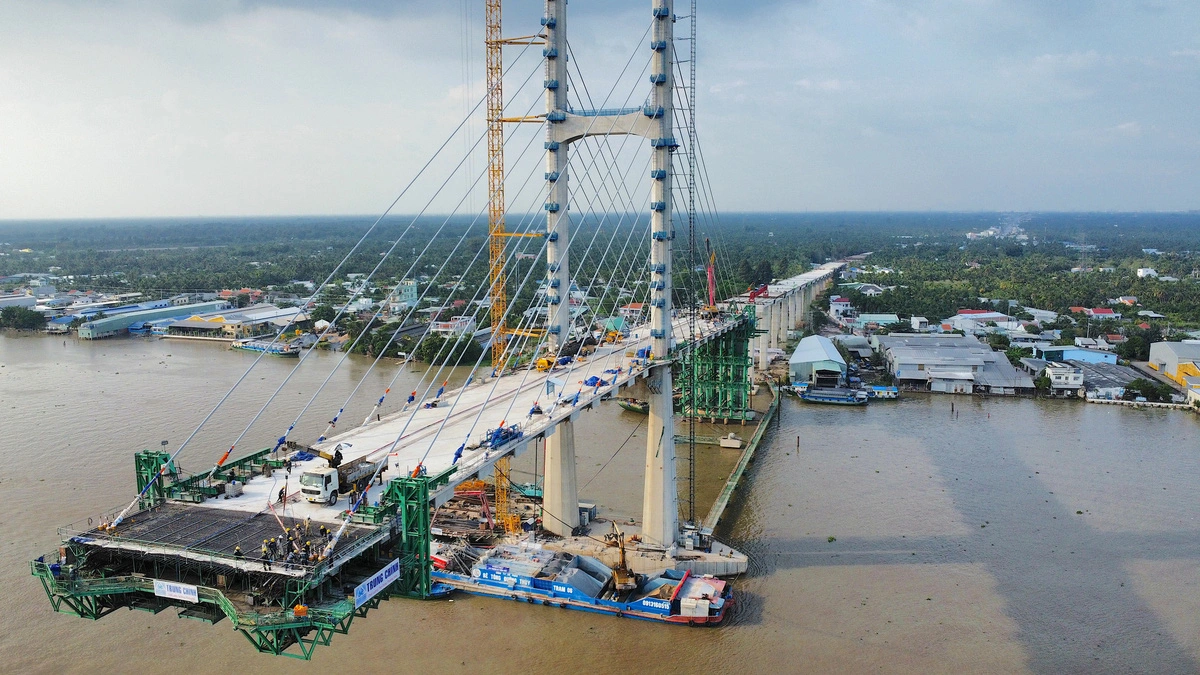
(633, 312)
(457, 325)
(1065, 379)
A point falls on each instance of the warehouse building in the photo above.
(817, 361)
(113, 325)
(1176, 360)
(951, 364)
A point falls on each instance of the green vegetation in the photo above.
(438, 350)
(1152, 391)
(21, 318)
(930, 267)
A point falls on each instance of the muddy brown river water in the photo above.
(1017, 536)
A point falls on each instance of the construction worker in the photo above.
(324, 532)
(272, 547)
(237, 552)
(307, 524)
(282, 494)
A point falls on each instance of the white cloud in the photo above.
(1131, 129)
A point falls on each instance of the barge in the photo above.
(529, 572)
(834, 396)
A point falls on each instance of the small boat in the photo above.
(730, 440)
(837, 396)
(272, 348)
(880, 391)
(636, 405)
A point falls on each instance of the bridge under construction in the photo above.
(290, 543)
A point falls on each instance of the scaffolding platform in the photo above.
(211, 536)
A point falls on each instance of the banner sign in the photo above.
(170, 589)
(378, 581)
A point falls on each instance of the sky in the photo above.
(124, 108)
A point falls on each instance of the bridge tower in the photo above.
(660, 500)
(653, 121)
(560, 496)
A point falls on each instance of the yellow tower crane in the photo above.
(494, 43)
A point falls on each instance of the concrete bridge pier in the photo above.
(776, 324)
(764, 340)
(560, 496)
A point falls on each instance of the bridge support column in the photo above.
(764, 361)
(560, 495)
(777, 340)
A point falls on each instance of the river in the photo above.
(1008, 536)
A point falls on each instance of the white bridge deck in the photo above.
(430, 436)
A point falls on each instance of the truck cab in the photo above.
(320, 486)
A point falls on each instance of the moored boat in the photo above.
(836, 396)
(880, 391)
(272, 348)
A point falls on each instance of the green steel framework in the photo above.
(714, 377)
(96, 592)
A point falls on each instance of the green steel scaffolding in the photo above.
(714, 377)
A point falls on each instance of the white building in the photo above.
(457, 325)
(1144, 272)
(1064, 378)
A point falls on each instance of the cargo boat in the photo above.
(272, 348)
(528, 572)
(836, 396)
(880, 391)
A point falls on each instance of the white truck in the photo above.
(323, 486)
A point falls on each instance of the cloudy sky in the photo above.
(125, 108)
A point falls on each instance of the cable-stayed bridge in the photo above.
(545, 283)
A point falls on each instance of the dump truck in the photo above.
(324, 486)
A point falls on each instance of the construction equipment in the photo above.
(760, 292)
(622, 577)
(324, 486)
